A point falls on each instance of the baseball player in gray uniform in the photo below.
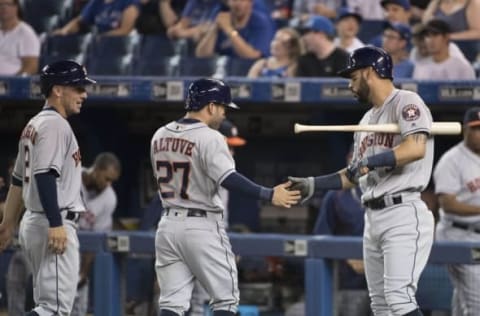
(392, 170)
(191, 160)
(47, 174)
(100, 203)
(457, 183)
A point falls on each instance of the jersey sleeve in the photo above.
(218, 160)
(446, 176)
(413, 115)
(50, 148)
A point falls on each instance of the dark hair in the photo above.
(19, 9)
(105, 160)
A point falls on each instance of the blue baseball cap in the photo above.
(402, 29)
(403, 3)
(318, 23)
(346, 12)
(472, 117)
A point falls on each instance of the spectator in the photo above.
(368, 9)
(305, 8)
(456, 177)
(396, 40)
(441, 64)
(19, 45)
(240, 32)
(196, 17)
(341, 214)
(348, 24)
(285, 49)
(156, 16)
(110, 17)
(419, 50)
(463, 17)
(396, 11)
(322, 59)
(100, 203)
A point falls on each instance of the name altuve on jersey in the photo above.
(173, 144)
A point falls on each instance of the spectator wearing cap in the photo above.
(441, 64)
(463, 17)
(395, 11)
(323, 58)
(243, 32)
(348, 24)
(368, 9)
(19, 44)
(285, 49)
(396, 40)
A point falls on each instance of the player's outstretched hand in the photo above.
(6, 234)
(283, 196)
(306, 186)
(57, 239)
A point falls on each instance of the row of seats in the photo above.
(136, 55)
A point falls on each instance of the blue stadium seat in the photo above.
(66, 45)
(45, 7)
(434, 288)
(158, 66)
(111, 55)
(369, 29)
(196, 67)
(238, 66)
(151, 46)
(43, 24)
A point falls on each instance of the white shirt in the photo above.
(453, 50)
(453, 68)
(22, 41)
(368, 9)
(356, 43)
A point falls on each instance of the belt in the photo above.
(383, 202)
(466, 227)
(191, 212)
(72, 216)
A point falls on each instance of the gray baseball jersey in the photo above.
(192, 159)
(408, 110)
(458, 173)
(392, 264)
(48, 142)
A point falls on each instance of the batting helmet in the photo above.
(369, 56)
(63, 73)
(204, 91)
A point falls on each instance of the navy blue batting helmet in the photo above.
(369, 56)
(63, 73)
(204, 91)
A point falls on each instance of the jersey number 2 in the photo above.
(170, 169)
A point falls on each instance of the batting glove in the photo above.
(353, 170)
(306, 186)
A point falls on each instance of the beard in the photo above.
(363, 92)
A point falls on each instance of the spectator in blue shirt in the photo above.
(109, 17)
(240, 31)
(396, 42)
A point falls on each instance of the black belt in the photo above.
(191, 212)
(465, 227)
(72, 216)
(380, 203)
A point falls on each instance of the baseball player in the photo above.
(457, 179)
(190, 159)
(47, 173)
(392, 170)
(100, 202)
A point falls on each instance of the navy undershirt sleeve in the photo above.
(237, 182)
(47, 191)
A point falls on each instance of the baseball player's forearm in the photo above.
(13, 206)
(450, 204)
(412, 148)
(237, 182)
(47, 191)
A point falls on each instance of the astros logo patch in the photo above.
(410, 112)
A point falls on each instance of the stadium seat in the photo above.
(66, 45)
(43, 24)
(158, 66)
(111, 55)
(238, 66)
(45, 7)
(470, 48)
(197, 67)
(151, 46)
(118, 66)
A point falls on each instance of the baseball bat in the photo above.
(438, 128)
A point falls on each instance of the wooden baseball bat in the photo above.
(438, 128)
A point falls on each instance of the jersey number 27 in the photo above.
(172, 168)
